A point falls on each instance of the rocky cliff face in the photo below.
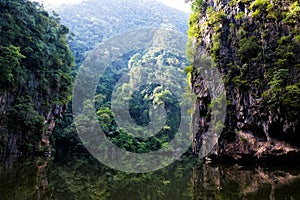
(17, 139)
(36, 81)
(256, 47)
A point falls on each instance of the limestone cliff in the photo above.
(35, 82)
(256, 47)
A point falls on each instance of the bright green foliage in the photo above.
(197, 5)
(275, 94)
(105, 116)
(10, 58)
(35, 66)
(240, 15)
(259, 3)
(292, 94)
(194, 28)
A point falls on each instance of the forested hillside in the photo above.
(92, 22)
(146, 79)
(35, 84)
(36, 66)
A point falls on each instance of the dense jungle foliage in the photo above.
(35, 68)
(90, 27)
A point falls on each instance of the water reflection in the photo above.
(237, 182)
(85, 178)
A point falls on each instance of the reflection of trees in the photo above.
(17, 181)
(41, 178)
(236, 182)
(86, 178)
(206, 182)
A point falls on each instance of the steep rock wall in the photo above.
(256, 47)
(36, 81)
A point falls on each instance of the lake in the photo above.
(86, 178)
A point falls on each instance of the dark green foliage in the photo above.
(249, 48)
(140, 103)
(85, 178)
(141, 100)
(35, 66)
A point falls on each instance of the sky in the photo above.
(179, 4)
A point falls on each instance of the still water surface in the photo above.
(85, 178)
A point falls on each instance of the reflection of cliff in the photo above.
(41, 178)
(236, 182)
